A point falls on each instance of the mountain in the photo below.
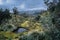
(31, 11)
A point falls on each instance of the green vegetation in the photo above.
(42, 26)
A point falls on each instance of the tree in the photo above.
(15, 11)
(53, 5)
(4, 15)
(1, 11)
(54, 8)
(7, 14)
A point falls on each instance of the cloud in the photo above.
(10, 1)
(22, 6)
(1, 2)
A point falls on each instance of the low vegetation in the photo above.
(42, 26)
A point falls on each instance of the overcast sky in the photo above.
(23, 4)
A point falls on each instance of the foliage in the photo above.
(4, 15)
(15, 10)
(53, 5)
(7, 27)
(2, 37)
(44, 26)
(25, 24)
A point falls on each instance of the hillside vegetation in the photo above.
(45, 25)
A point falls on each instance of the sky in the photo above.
(23, 4)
